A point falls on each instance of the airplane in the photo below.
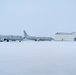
(11, 38)
(37, 38)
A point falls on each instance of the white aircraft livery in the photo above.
(37, 38)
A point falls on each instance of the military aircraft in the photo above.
(11, 38)
(37, 38)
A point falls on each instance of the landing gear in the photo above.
(35, 40)
(1, 41)
(19, 40)
(7, 40)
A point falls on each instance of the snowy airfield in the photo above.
(38, 58)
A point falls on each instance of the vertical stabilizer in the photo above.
(25, 34)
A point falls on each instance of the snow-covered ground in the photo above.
(38, 58)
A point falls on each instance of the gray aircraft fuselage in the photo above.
(11, 38)
(37, 38)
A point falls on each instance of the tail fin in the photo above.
(25, 34)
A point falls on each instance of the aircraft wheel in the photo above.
(1, 41)
(7, 40)
(19, 40)
(35, 40)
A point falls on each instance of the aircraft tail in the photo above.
(25, 34)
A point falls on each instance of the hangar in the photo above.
(65, 36)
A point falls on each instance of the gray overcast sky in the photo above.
(37, 17)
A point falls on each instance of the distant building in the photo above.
(65, 36)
